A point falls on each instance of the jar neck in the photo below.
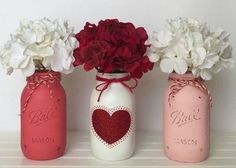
(107, 76)
(40, 76)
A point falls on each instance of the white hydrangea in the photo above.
(51, 41)
(188, 45)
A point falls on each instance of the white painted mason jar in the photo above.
(112, 107)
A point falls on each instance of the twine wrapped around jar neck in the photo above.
(107, 79)
(180, 81)
(41, 78)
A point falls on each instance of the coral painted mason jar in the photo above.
(43, 116)
(187, 104)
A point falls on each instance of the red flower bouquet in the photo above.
(113, 47)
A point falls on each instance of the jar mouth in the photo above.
(116, 71)
(45, 72)
(187, 75)
(112, 75)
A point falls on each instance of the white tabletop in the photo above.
(149, 153)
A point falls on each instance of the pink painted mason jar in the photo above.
(43, 117)
(187, 104)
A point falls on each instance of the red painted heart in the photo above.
(111, 128)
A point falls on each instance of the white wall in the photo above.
(148, 13)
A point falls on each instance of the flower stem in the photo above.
(38, 64)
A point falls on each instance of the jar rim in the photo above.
(187, 75)
(39, 72)
(112, 75)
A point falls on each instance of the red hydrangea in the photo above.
(113, 46)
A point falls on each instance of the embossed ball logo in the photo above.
(41, 116)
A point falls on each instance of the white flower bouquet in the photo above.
(188, 45)
(40, 45)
